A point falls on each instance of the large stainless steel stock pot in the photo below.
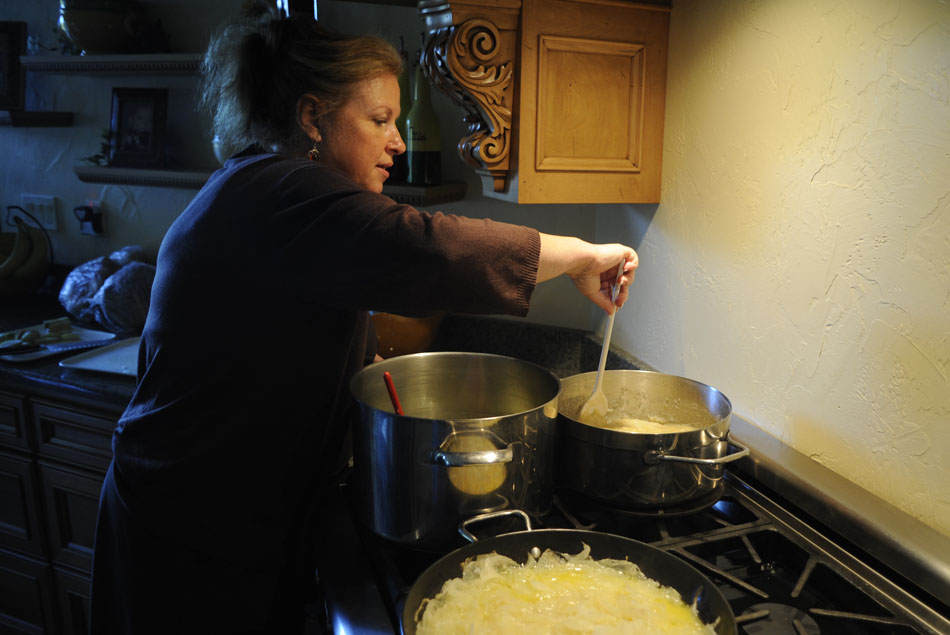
(477, 435)
(618, 464)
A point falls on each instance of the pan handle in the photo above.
(655, 456)
(469, 536)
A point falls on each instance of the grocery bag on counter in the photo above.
(112, 291)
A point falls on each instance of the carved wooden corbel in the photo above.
(469, 54)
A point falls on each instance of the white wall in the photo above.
(800, 257)
(40, 160)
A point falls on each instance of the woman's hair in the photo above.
(256, 68)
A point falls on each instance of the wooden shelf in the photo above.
(418, 195)
(35, 119)
(171, 63)
(195, 179)
(184, 179)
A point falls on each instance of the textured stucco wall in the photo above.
(800, 257)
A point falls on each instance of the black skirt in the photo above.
(143, 583)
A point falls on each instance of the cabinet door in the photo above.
(72, 504)
(13, 432)
(26, 597)
(20, 522)
(73, 436)
(593, 95)
(72, 602)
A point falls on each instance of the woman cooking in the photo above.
(259, 317)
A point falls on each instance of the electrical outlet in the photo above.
(40, 207)
(91, 218)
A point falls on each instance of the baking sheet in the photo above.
(120, 358)
(85, 335)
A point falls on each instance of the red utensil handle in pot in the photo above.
(392, 392)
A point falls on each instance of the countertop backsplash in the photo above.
(563, 351)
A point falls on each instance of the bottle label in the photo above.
(417, 139)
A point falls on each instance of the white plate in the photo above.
(85, 335)
(121, 358)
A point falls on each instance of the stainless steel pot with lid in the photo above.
(477, 435)
(631, 460)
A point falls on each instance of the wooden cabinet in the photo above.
(564, 98)
(53, 456)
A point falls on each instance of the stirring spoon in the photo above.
(594, 410)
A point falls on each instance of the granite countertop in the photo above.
(110, 392)
(563, 351)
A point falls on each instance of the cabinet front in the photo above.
(20, 520)
(26, 597)
(72, 501)
(13, 422)
(565, 99)
(593, 94)
(73, 436)
(72, 602)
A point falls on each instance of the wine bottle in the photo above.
(423, 141)
(400, 169)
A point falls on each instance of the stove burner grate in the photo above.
(587, 507)
(777, 619)
(778, 573)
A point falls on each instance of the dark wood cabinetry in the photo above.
(53, 456)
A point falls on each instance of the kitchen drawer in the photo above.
(26, 595)
(13, 432)
(20, 523)
(71, 500)
(77, 437)
(72, 602)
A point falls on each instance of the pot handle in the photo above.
(469, 536)
(655, 456)
(499, 452)
(461, 459)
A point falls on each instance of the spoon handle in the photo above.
(603, 351)
(615, 289)
(391, 388)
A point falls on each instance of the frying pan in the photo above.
(663, 567)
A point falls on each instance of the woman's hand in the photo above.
(592, 268)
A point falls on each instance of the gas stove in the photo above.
(793, 547)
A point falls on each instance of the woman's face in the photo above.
(361, 138)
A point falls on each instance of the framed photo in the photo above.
(12, 46)
(137, 127)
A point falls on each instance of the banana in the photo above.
(36, 266)
(20, 253)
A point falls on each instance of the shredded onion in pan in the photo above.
(556, 593)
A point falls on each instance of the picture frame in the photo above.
(12, 77)
(137, 127)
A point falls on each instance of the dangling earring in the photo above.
(314, 153)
